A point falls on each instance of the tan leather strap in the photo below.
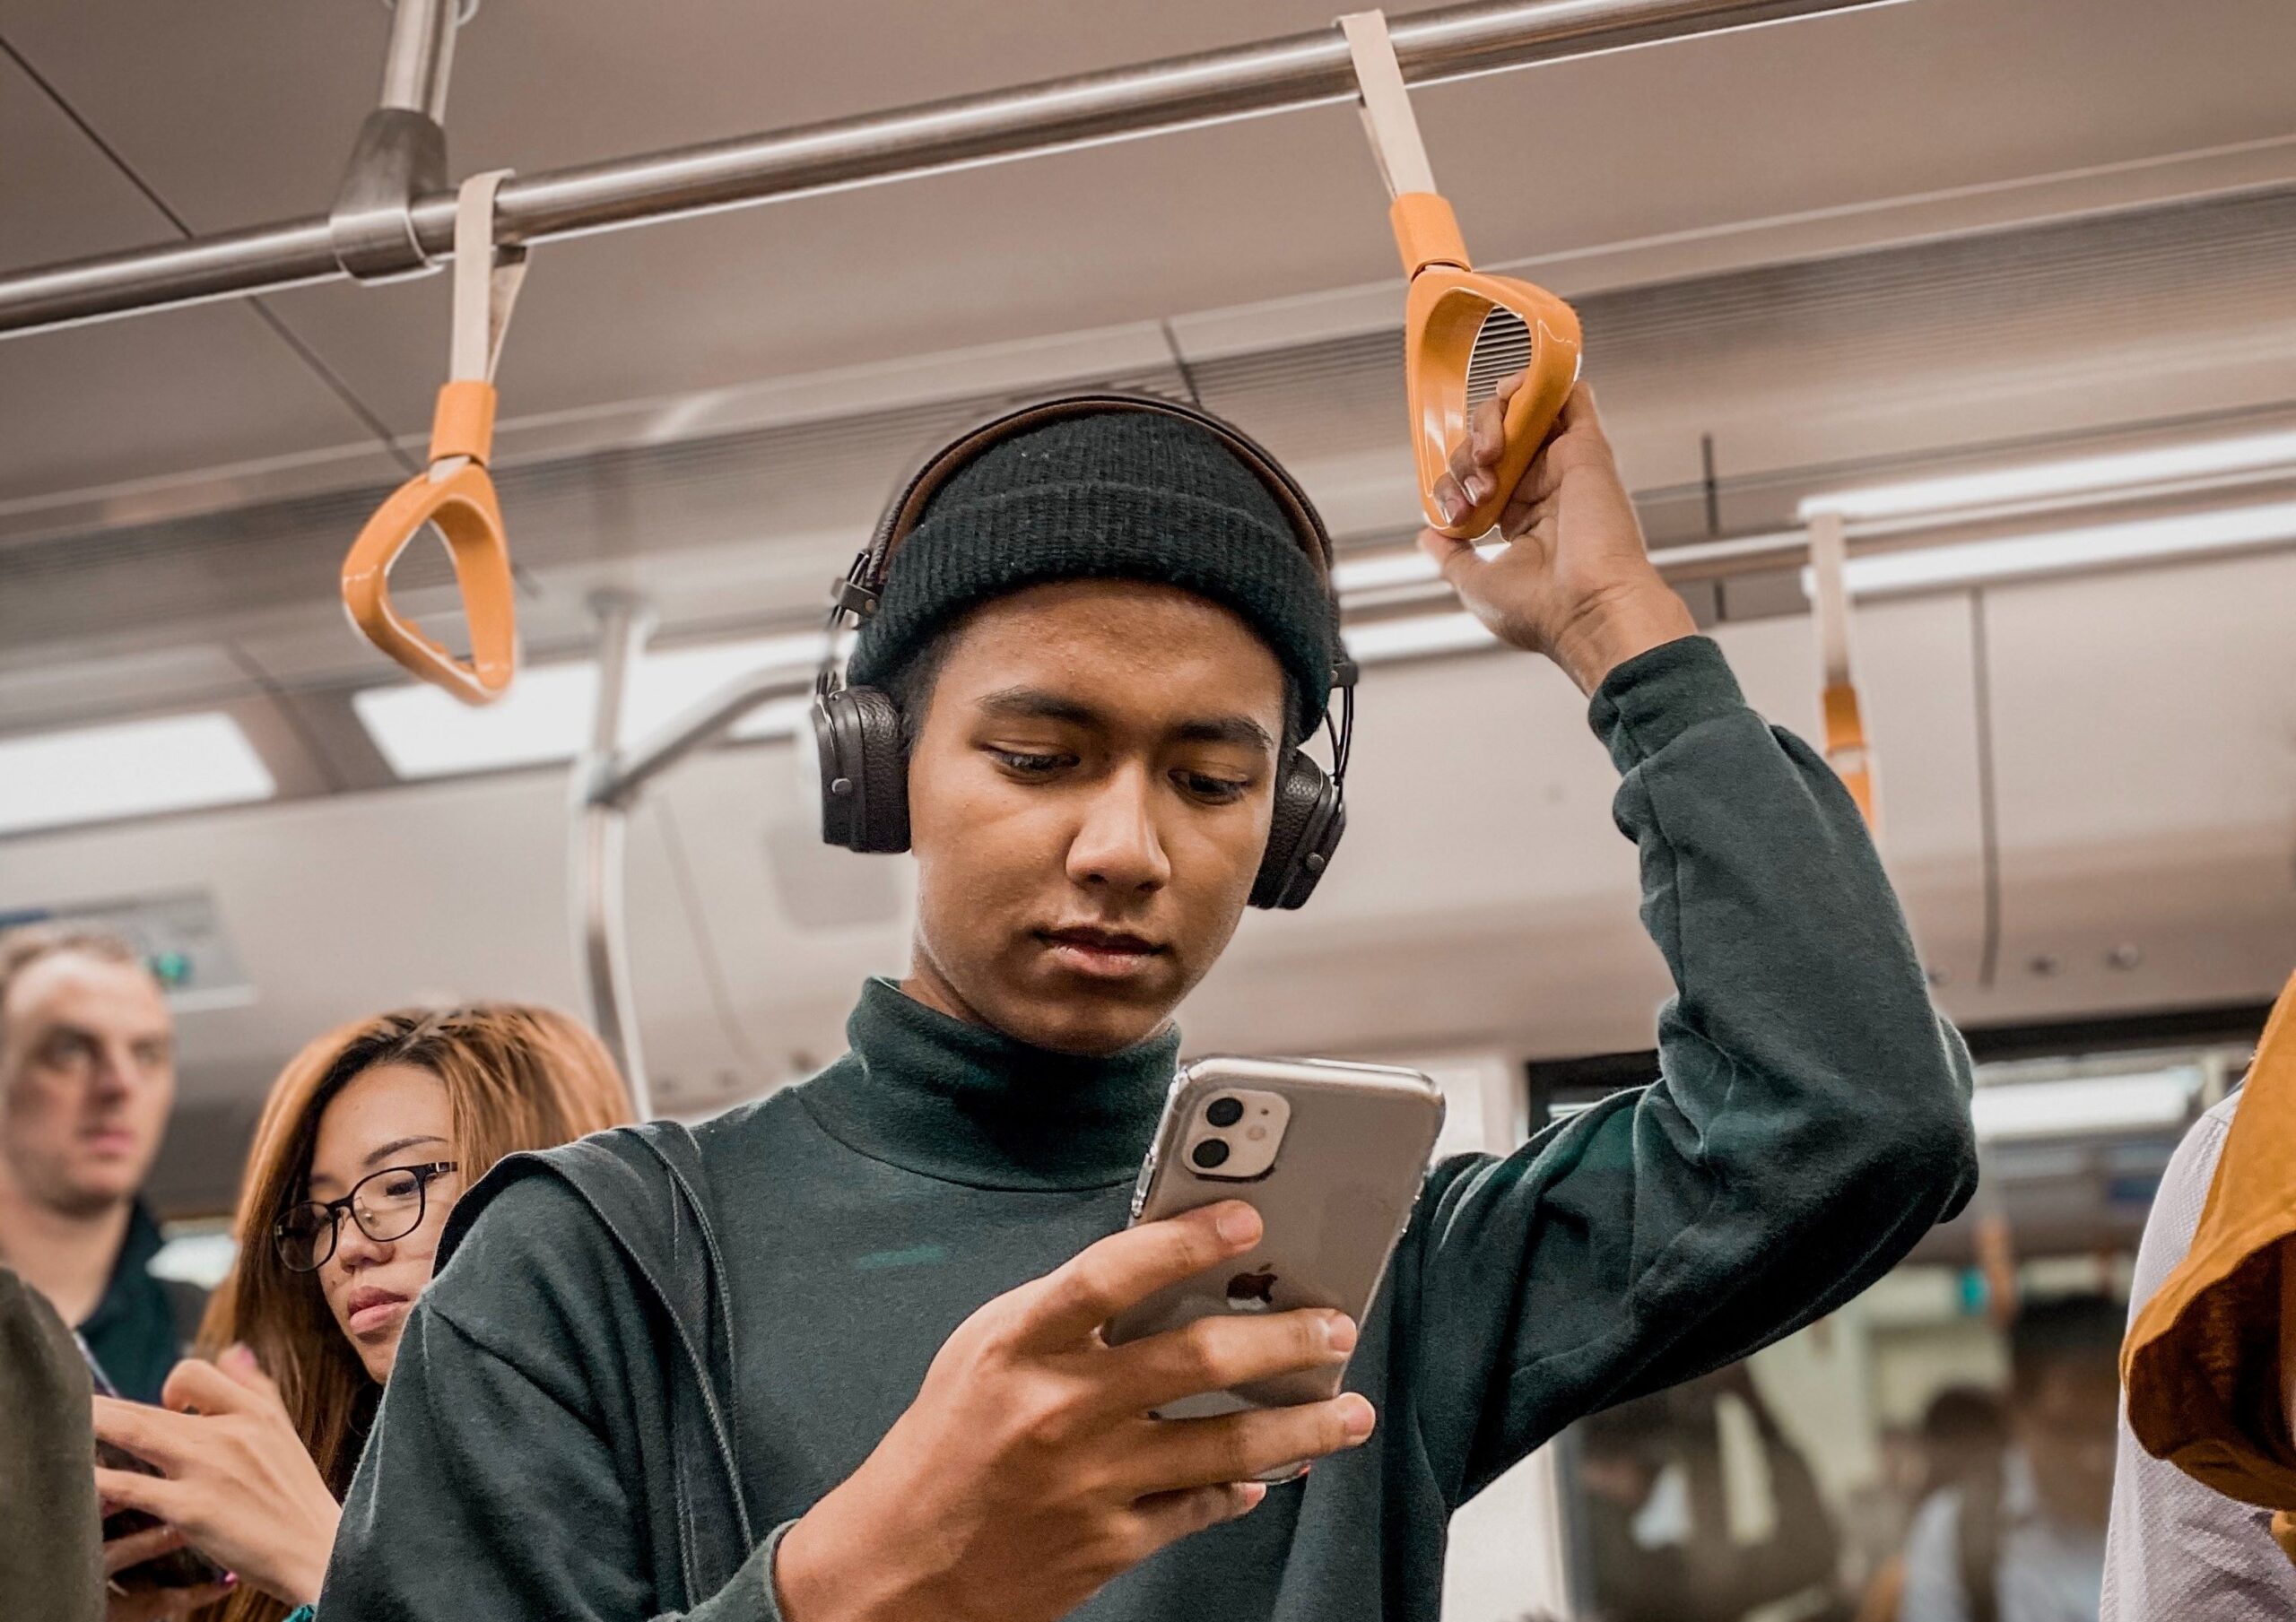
(487, 280)
(1387, 118)
(486, 288)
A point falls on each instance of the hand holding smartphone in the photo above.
(1332, 1156)
(179, 1568)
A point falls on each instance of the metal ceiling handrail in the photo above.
(1299, 71)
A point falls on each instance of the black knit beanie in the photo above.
(1124, 495)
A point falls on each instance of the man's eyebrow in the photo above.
(95, 1038)
(1239, 730)
(1038, 703)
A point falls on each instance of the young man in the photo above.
(87, 1077)
(838, 1358)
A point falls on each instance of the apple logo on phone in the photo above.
(1251, 1292)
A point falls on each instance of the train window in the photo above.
(1952, 1426)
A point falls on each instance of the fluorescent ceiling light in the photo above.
(546, 716)
(2008, 1111)
(1383, 569)
(132, 768)
(2133, 540)
(425, 734)
(1405, 566)
(2074, 476)
(1417, 636)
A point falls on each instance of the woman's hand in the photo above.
(152, 1604)
(238, 1485)
(1575, 582)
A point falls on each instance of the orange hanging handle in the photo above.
(1457, 344)
(1846, 748)
(454, 494)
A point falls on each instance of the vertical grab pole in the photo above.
(400, 154)
(600, 826)
(421, 57)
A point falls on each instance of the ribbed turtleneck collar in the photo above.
(969, 1104)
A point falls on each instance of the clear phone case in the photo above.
(1346, 1173)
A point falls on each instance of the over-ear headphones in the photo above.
(865, 762)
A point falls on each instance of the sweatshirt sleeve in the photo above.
(51, 1557)
(1810, 1122)
(499, 1480)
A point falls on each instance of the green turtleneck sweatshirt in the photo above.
(1811, 1122)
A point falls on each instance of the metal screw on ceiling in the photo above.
(2045, 964)
(2126, 956)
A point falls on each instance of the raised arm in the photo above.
(1811, 1119)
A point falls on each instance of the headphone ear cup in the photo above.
(865, 770)
(1302, 834)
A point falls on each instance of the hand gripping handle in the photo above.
(1450, 301)
(1443, 316)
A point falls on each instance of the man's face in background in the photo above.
(87, 1078)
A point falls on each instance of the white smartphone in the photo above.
(1332, 1156)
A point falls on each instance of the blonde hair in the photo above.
(517, 1077)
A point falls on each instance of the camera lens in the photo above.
(1224, 1112)
(1211, 1152)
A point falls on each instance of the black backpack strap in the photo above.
(648, 1189)
(714, 1534)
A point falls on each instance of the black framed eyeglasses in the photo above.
(386, 1205)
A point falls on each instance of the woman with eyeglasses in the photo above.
(369, 1136)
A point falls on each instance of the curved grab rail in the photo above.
(454, 494)
(1453, 311)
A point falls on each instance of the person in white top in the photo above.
(2178, 1552)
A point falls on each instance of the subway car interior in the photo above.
(1947, 351)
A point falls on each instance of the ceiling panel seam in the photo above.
(312, 361)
